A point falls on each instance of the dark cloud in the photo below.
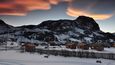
(104, 6)
(97, 6)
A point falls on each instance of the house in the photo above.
(29, 47)
(71, 45)
(113, 44)
(97, 46)
(83, 46)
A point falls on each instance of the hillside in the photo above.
(82, 29)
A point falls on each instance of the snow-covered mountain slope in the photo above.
(4, 28)
(82, 29)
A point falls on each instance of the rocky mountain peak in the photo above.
(5, 27)
(83, 22)
(87, 23)
(2, 23)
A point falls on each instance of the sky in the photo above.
(26, 12)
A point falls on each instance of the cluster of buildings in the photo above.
(99, 46)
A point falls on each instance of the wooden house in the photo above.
(29, 47)
(113, 44)
(97, 46)
(83, 46)
(71, 45)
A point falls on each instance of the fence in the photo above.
(84, 54)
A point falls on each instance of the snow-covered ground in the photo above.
(106, 50)
(14, 57)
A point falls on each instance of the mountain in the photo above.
(113, 33)
(81, 22)
(83, 29)
(4, 28)
(87, 23)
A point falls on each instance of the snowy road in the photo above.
(12, 57)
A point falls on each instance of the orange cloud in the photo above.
(34, 4)
(14, 14)
(77, 12)
(22, 7)
(5, 5)
(55, 2)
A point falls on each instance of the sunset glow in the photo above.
(21, 7)
(76, 12)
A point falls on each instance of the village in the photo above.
(98, 46)
(69, 49)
